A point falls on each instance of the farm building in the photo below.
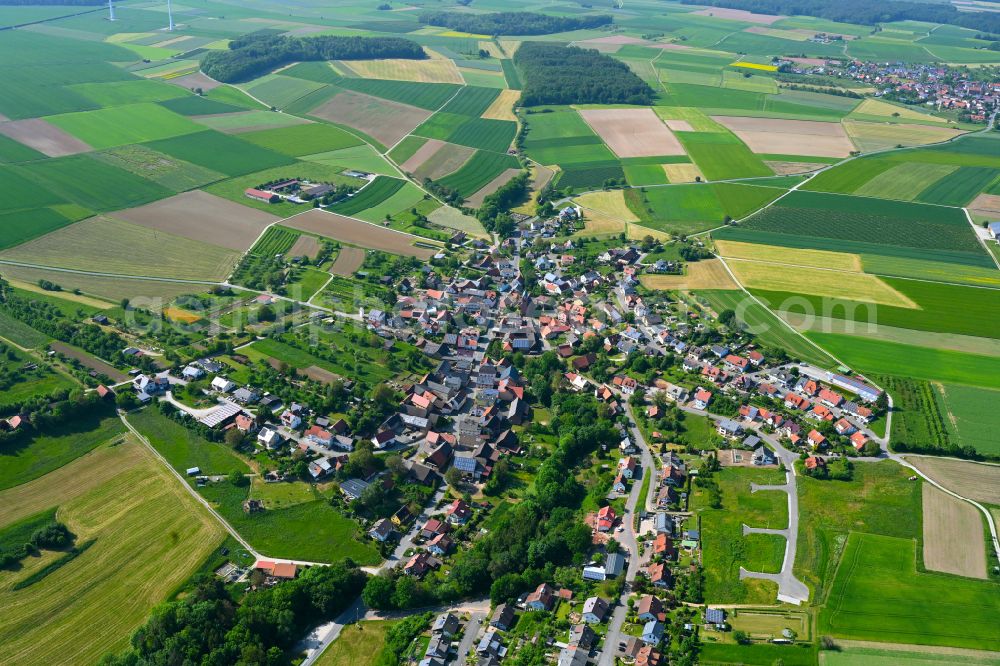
(260, 195)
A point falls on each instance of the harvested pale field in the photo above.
(739, 15)
(386, 121)
(633, 132)
(510, 46)
(977, 481)
(202, 217)
(196, 80)
(107, 245)
(89, 361)
(452, 218)
(610, 204)
(817, 282)
(707, 274)
(782, 255)
(180, 315)
(304, 246)
(790, 137)
(502, 107)
(492, 48)
(424, 153)
(635, 231)
(149, 536)
(44, 137)
(540, 177)
(795, 34)
(449, 158)
(876, 107)
(682, 173)
(987, 205)
(150, 294)
(879, 136)
(792, 168)
(435, 70)
(611, 44)
(596, 223)
(476, 199)
(349, 259)
(953, 535)
(355, 232)
(678, 125)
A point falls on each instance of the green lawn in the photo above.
(879, 595)
(903, 656)
(183, 448)
(756, 655)
(358, 644)
(313, 531)
(30, 457)
(970, 416)
(725, 549)
(879, 500)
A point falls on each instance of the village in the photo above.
(581, 314)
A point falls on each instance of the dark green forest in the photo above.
(512, 23)
(254, 55)
(556, 74)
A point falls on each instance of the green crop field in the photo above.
(370, 195)
(645, 174)
(893, 358)
(120, 125)
(905, 181)
(39, 454)
(481, 168)
(405, 149)
(196, 105)
(222, 153)
(312, 530)
(22, 226)
(94, 184)
(118, 93)
(589, 175)
(770, 330)
(722, 155)
(130, 509)
(12, 152)
(943, 308)
(818, 216)
(917, 423)
(758, 654)
(959, 187)
(429, 96)
(280, 91)
(725, 549)
(848, 177)
(183, 448)
(362, 157)
(276, 240)
(170, 172)
(297, 140)
(696, 207)
(22, 192)
(17, 331)
(402, 200)
(879, 595)
(297, 358)
(471, 101)
(970, 416)
(495, 135)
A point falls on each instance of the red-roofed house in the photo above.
(606, 519)
(815, 439)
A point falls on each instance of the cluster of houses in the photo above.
(936, 86)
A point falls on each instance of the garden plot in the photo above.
(953, 535)
(386, 121)
(202, 217)
(356, 232)
(349, 259)
(304, 246)
(43, 137)
(790, 137)
(633, 132)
